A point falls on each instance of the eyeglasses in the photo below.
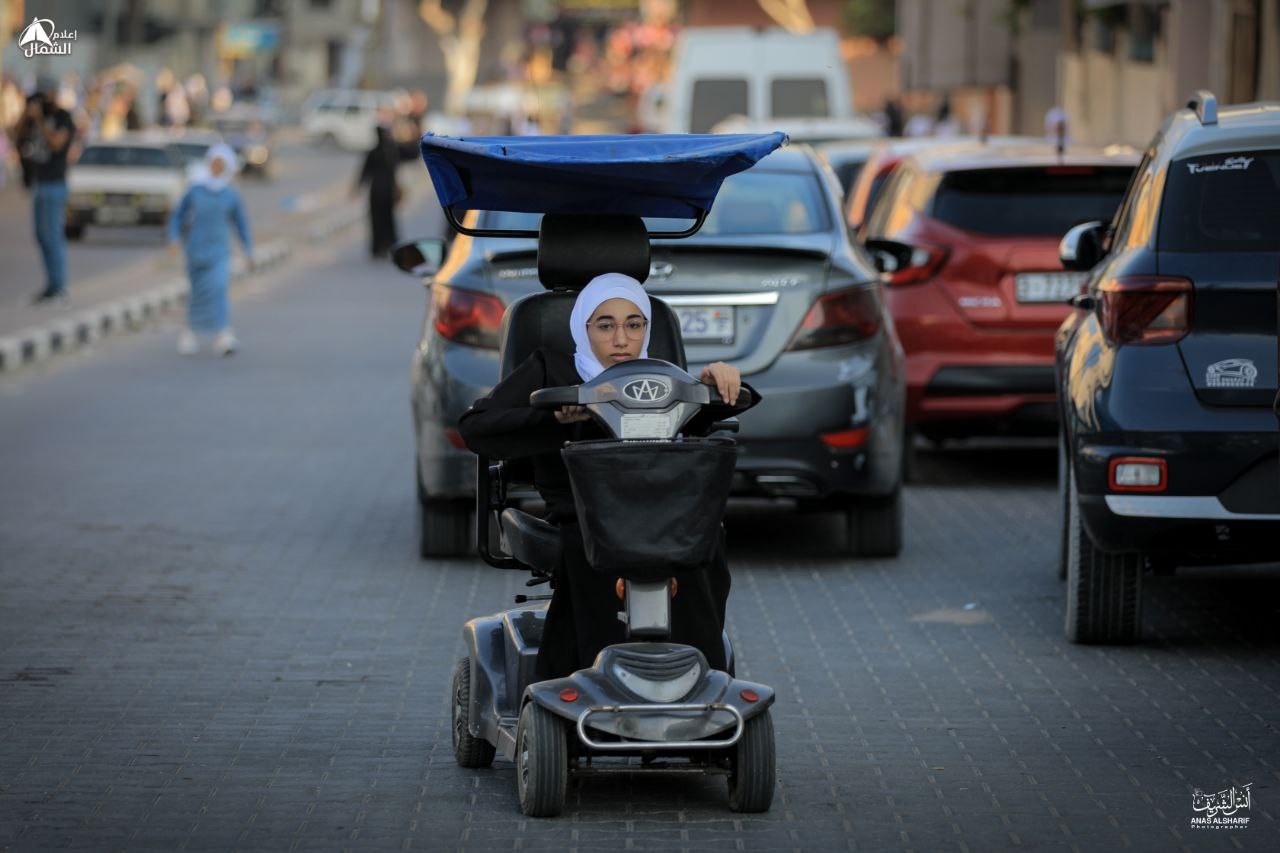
(605, 328)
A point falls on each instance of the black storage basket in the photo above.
(650, 509)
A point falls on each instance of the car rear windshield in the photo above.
(124, 155)
(714, 101)
(1040, 201)
(798, 98)
(748, 203)
(1222, 203)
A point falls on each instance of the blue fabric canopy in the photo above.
(666, 175)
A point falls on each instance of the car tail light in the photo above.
(921, 265)
(1137, 474)
(467, 317)
(1145, 309)
(845, 439)
(837, 318)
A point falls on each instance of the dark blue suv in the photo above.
(1167, 373)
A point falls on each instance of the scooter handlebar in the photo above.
(554, 398)
(568, 395)
(743, 398)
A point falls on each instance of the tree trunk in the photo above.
(460, 36)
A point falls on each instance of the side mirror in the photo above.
(889, 255)
(421, 257)
(1081, 247)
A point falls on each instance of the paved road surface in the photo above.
(214, 634)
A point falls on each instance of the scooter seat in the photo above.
(529, 539)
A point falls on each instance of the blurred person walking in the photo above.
(203, 220)
(379, 172)
(43, 137)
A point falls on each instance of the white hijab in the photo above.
(602, 288)
(221, 152)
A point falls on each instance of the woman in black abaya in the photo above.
(610, 323)
(379, 172)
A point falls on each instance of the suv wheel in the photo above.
(1104, 590)
(444, 526)
(874, 526)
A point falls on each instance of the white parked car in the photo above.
(127, 181)
(346, 117)
(192, 146)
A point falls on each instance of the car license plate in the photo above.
(706, 323)
(117, 215)
(1047, 286)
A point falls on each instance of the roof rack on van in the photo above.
(1205, 105)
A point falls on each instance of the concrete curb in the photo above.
(67, 334)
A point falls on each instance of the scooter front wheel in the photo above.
(542, 762)
(467, 750)
(754, 772)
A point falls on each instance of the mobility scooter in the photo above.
(646, 705)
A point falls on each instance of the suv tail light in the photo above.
(1145, 309)
(467, 317)
(838, 318)
(921, 265)
(1137, 474)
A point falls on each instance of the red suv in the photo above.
(967, 241)
(861, 194)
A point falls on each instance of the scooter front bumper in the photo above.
(635, 713)
(610, 717)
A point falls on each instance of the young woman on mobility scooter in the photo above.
(609, 324)
(635, 498)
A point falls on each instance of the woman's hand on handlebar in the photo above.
(725, 377)
(572, 414)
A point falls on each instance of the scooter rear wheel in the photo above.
(542, 762)
(467, 750)
(754, 772)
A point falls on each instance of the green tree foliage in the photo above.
(872, 18)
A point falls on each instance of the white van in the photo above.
(345, 117)
(719, 72)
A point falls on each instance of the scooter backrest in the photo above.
(572, 250)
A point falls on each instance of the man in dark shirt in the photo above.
(44, 137)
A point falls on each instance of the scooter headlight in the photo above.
(665, 690)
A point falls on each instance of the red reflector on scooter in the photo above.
(568, 695)
(749, 695)
(845, 439)
(455, 438)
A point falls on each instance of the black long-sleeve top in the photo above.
(504, 426)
